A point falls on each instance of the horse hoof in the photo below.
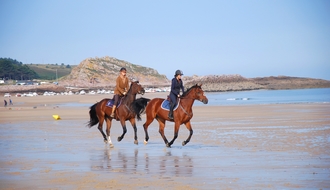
(136, 142)
(119, 139)
(168, 145)
(111, 146)
(184, 143)
(145, 142)
(106, 141)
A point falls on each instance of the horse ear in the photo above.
(199, 84)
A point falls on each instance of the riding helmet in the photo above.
(178, 72)
(123, 69)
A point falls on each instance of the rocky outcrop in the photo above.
(94, 72)
(219, 83)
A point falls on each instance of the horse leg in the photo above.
(123, 124)
(135, 130)
(161, 131)
(176, 132)
(188, 125)
(101, 120)
(145, 126)
(108, 120)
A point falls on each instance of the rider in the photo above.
(176, 85)
(120, 89)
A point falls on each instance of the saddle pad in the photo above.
(166, 105)
(111, 102)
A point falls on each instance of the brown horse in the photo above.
(182, 114)
(129, 108)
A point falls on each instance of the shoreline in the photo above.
(40, 89)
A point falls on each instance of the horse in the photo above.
(128, 108)
(182, 114)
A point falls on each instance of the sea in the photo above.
(257, 97)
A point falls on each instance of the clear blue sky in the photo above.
(250, 38)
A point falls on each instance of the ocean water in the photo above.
(318, 95)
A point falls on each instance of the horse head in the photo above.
(136, 87)
(196, 92)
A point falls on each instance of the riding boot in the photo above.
(113, 111)
(170, 114)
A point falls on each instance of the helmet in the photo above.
(178, 72)
(123, 69)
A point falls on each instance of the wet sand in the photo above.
(278, 146)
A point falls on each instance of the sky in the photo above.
(254, 38)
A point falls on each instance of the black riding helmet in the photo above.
(178, 72)
(123, 69)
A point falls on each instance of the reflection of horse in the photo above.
(182, 114)
(128, 161)
(129, 108)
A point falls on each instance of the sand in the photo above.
(275, 146)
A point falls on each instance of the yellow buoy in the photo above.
(56, 117)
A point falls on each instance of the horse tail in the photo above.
(93, 117)
(139, 106)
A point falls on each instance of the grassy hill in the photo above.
(48, 71)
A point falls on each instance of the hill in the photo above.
(94, 72)
(49, 71)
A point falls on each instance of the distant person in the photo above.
(10, 102)
(5, 103)
(176, 85)
(120, 89)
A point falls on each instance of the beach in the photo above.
(271, 146)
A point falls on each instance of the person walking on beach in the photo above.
(176, 85)
(10, 102)
(5, 103)
(120, 89)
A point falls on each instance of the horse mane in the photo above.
(139, 106)
(130, 87)
(189, 89)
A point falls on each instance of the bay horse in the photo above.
(129, 108)
(182, 114)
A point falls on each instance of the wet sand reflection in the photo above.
(140, 161)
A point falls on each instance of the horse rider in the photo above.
(120, 89)
(176, 85)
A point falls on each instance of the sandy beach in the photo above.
(275, 146)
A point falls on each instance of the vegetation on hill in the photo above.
(15, 70)
(49, 71)
(11, 69)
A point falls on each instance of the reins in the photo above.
(189, 115)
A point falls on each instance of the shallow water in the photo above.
(295, 96)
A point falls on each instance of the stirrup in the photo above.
(112, 115)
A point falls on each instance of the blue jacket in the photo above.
(176, 86)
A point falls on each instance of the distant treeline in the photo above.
(11, 69)
(15, 70)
